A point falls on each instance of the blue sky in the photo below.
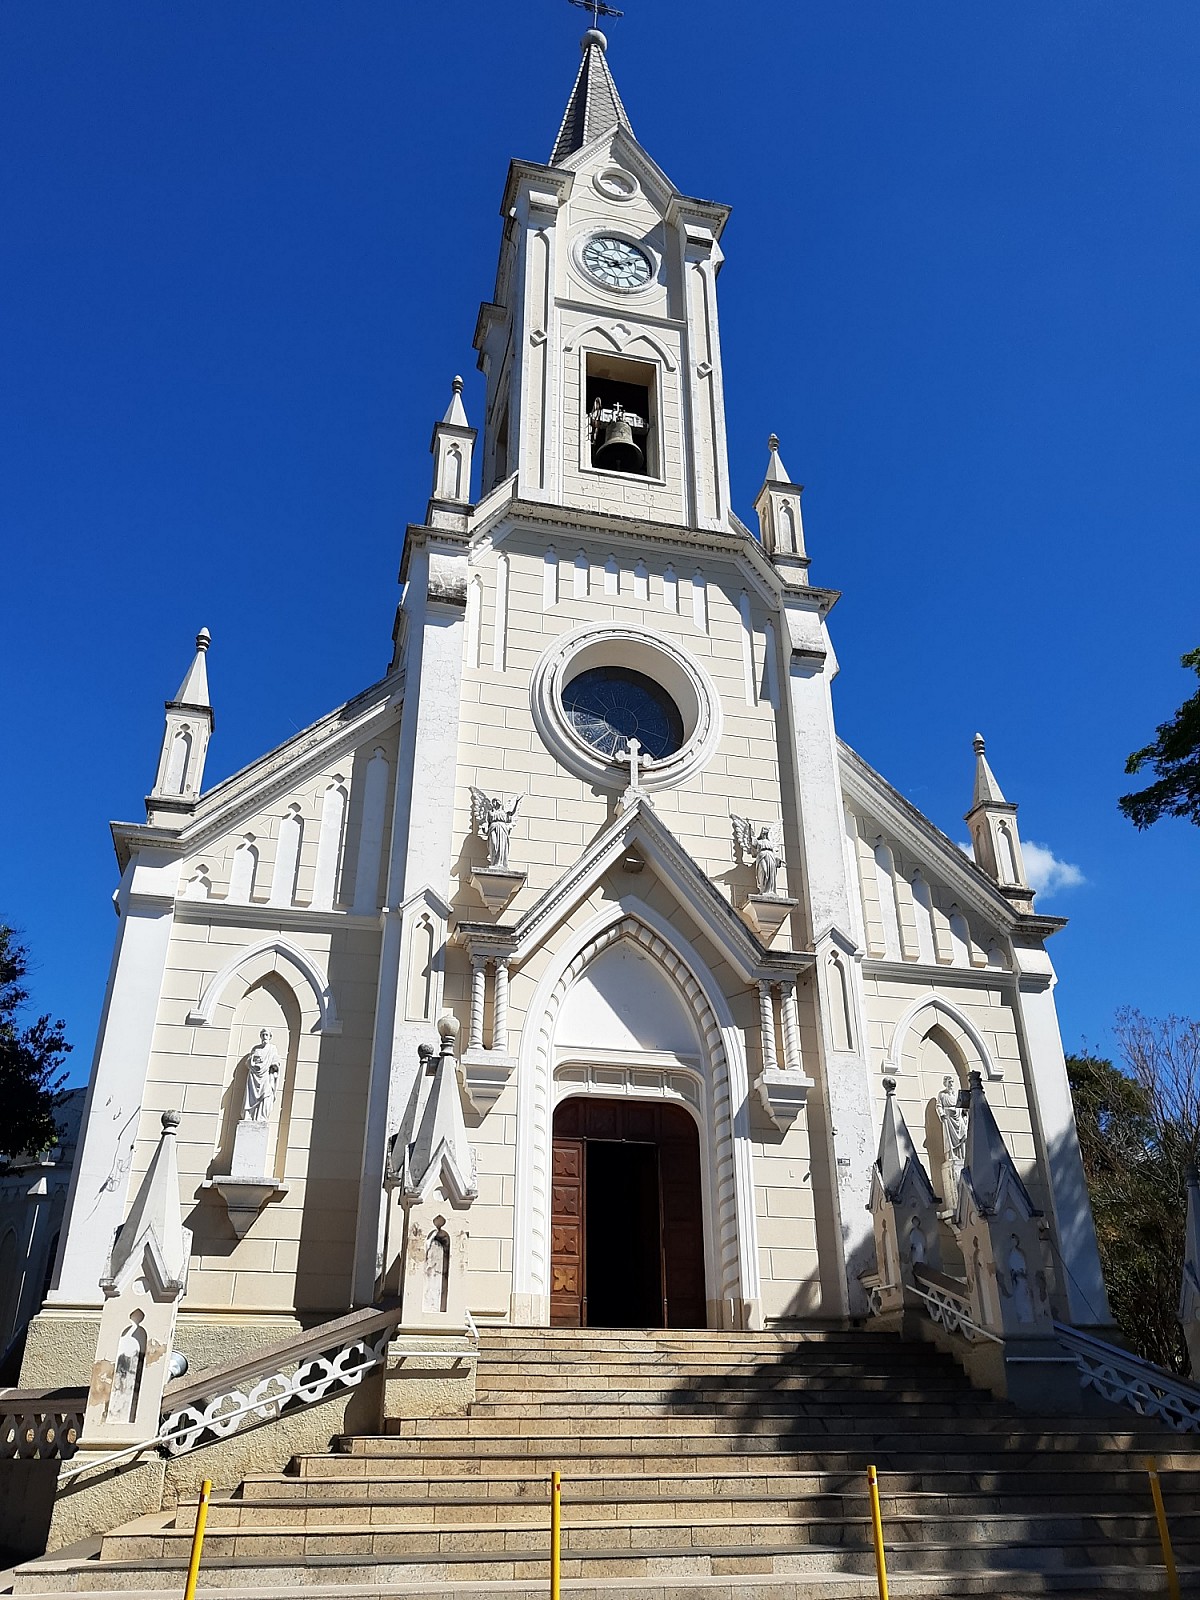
(244, 248)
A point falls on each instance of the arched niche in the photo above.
(245, 967)
(713, 1086)
(269, 1002)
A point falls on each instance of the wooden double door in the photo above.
(626, 1229)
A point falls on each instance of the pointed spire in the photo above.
(897, 1153)
(595, 106)
(154, 1219)
(186, 732)
(193, 691)
(987, 1164)
(987, 790)
(779, 519)
(776, 471)
(995, 837)
(456, 415)
(442, 1135)
(452, 448)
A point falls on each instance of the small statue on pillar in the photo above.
(764, 848)
(492, 817)
(262, 1080)
(143, 1283)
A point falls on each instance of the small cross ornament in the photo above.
(634, 792)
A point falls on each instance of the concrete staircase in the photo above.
(694, 1464)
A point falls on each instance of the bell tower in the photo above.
(601, 347)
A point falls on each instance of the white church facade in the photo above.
(598, 812)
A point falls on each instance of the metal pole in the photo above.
(877, 1530)
(555, 1535)
(198, 1540)
(1164, 1533)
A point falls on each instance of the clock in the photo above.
(616, 263)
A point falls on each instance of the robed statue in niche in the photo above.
(262, 1080)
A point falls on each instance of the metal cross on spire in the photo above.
(598, 10)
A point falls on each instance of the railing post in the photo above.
(198, 1540)
(1164, 1532)
(877, 1531)
(555, 1535)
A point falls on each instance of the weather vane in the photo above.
(598, 10)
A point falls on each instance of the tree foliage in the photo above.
(1139, 1126)
(1174, 757)
(31, 1059)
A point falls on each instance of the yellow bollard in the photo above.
(1164, 1533)
(198, 1540)
(877, 1530)
(555, 1535)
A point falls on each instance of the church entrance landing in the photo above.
(627, 1246)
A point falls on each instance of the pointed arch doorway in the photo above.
(627, 1245)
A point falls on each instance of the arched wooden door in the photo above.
(626, 1230)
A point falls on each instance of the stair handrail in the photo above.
(333, 1356)
(1127, 1380)
(948, 1303)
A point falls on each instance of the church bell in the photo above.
(618, 450)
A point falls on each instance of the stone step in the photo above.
(742, 1565)
(1091, 1583)
(1125, 1486)
(573, 1432)
(580, 1506)
(672, 1454)
(851, 1412)
(1119, 1536)
(522, 1381)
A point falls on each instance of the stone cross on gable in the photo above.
(634, 791)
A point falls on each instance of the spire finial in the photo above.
(978, 744)
(457, 384)
(593, 37)
(203, 639)
(773, 442)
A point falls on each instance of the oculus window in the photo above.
(608, 706)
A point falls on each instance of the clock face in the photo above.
(616, 263)
(608, 706)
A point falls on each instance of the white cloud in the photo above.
(1043, 868)
(1046, 871)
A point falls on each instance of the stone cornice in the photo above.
(272, 774)
(869, 789)
(712, 913)
(258, 914)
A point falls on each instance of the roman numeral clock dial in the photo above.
(616, 263)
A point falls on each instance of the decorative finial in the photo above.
(889, 1086)
(977, 744)
(170, 1121)
(773, 443)
(448, 1028)
(203, 639)
(593, 37)
(457, 385)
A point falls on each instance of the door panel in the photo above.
(566, 1234)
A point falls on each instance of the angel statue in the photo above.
(492, 818)
(765, 849)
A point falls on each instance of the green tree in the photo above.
(1174, 757)
(31, 1059)
(1139, 1126)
